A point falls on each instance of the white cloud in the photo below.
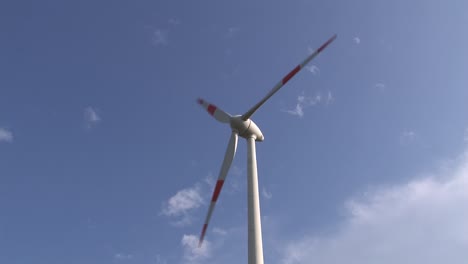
(408, 136)
(357, 40)
(160, 37)
(193, 253)
(160, 260)
(91, 117)
(266, 194)
(181, 204)
(304, 102)
(232, 31)
(465, 137)
(422, 221)
(330, 98)
(380, 86)
(181, 207)
(174, 21)
(298, 111)
(122, 256)
(6, 135)
(236, 170)
(209, 180)
(313, 69)
(219, 231)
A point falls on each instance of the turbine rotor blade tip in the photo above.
(228, 157)
(214, 111)
(327, 43)
(286, 78)
(202, 235)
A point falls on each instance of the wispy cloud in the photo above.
(422, 221)
(304, 102)
(266, 194)
(192, 253)
(465, 137)
(232, 31)
(159, 259)
(298, 111)
(209, 180)
(6, 135)
(219, 231)
(91, 117)
(236, 170)
(160, 37)
(380, 86)
(330, 98)
(181, 204)
(313, 69)
(174, 21)
(357, 40)
(123, 256)
(407, 136)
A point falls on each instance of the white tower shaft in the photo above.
(255, 245)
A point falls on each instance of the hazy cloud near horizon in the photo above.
(422, 221)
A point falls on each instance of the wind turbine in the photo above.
(243, 126)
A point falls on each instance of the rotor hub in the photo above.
(247, 128)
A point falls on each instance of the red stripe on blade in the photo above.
(219, 185)
(211, 109)
(202, 234)
(291, 74)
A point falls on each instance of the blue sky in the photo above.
(105, 157)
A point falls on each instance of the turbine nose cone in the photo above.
(246, 128)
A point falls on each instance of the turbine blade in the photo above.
(286, 78)
(213, 110)
(228, 157)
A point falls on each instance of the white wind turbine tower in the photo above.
(243, 126)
